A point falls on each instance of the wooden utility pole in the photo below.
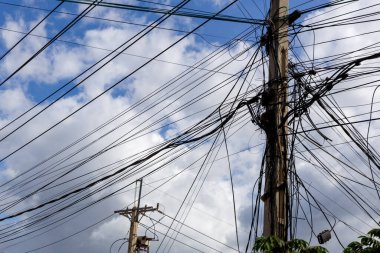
(276, 165)
(133, 230)
(137, 243)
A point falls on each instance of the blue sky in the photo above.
(213, 32)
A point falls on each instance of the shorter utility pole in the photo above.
(137, 243)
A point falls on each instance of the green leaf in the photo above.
(269, 244)
(355, 247)
(296, 245)
(374, 232)
(315, 249)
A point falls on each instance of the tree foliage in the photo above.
(273, 244)
(369, 243)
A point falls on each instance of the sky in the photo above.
(144, 97)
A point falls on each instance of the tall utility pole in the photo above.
(137, 243)
(276, 165)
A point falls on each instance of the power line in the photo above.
(201, 15)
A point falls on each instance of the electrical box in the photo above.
(324, 236)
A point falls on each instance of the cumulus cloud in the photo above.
(61, 62)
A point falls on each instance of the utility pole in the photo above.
(275, 197)
(137, 243)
